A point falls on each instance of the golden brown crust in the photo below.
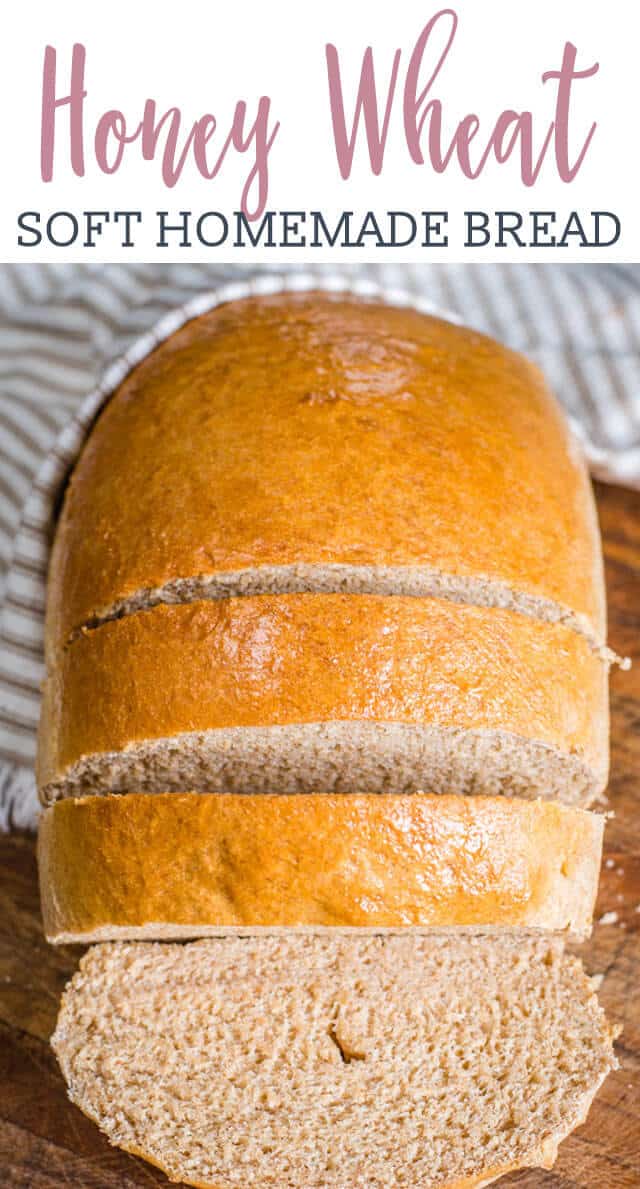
(311, 658)
(313, 429)
(197, 863)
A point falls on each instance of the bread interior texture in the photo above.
(320, 1062)
(417, 581)
(338, 757)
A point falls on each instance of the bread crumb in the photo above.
(610, 863)
(619, 870)
(608, 918)
(597, 981)
(268, 1003)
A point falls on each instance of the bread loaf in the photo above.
(317, 549)
(316, 542)
(339, 693)
(320, 442)
(322, 1063)
(181, 865)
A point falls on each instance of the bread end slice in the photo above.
(320, 1062)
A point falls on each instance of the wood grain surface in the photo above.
(46, 1143)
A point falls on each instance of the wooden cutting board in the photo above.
(46, 1143)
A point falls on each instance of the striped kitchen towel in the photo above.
(61, 326)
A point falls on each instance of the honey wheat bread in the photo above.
(322, 442)
(325, 547)
(317, 1062)
(342, 693)
(182, 865)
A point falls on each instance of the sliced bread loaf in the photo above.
(321, 442)
(344, 693)
(324, 1062)
(182, 865)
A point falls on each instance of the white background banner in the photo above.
(466, 92)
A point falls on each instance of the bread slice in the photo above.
(324, 1062)
(344, 693)
(322, 442)
(180, 865)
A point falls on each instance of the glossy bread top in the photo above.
(311, 429)
(278, 660)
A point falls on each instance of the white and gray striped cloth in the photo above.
(62, 326)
